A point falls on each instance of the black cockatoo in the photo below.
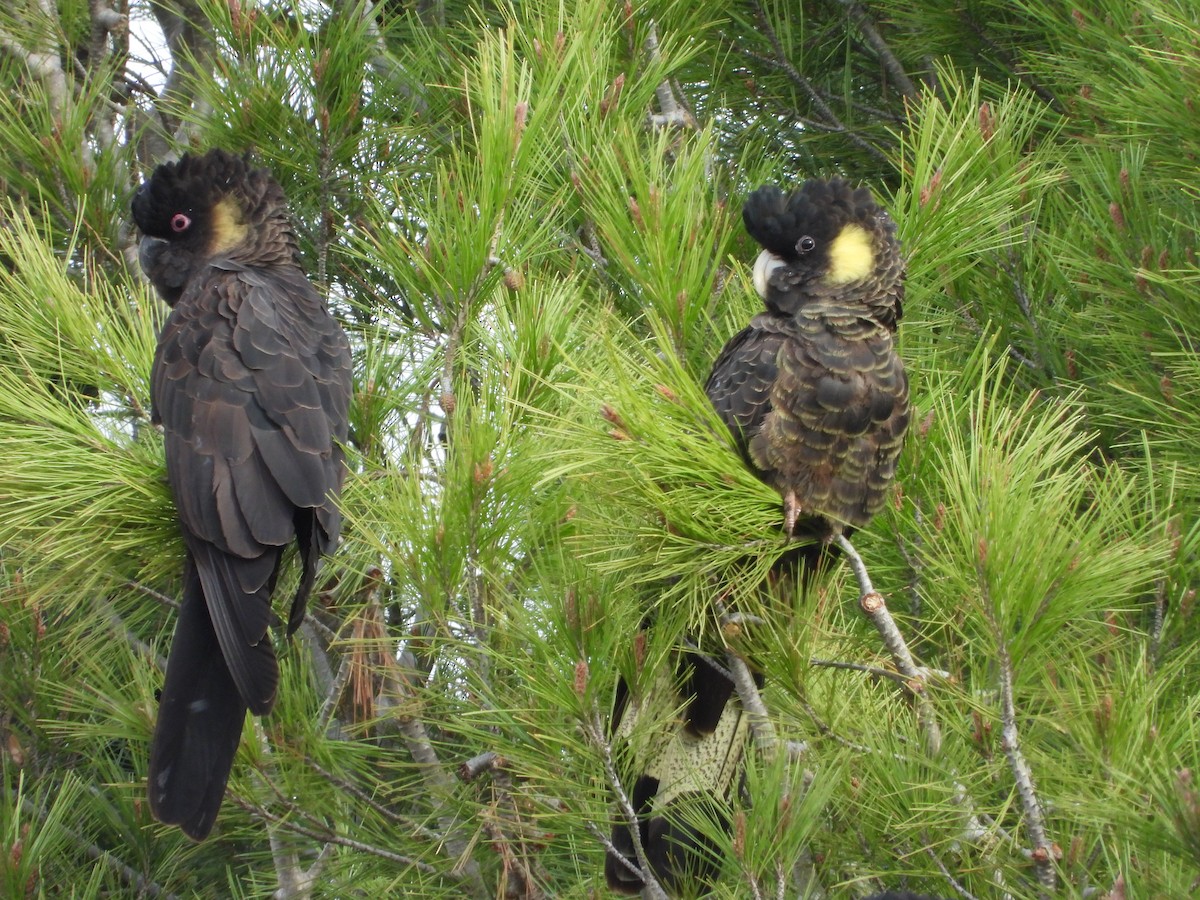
(816, 400)
(251, 384)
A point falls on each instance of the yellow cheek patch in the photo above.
(228, 229)
(850, 255)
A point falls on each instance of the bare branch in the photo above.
(882, 50)
(672, 113)
(480, 763)
(1010, 743)
(593, 729)
(330, 837)
(782, 62)
(137, 883)
(440, 785)
(872, 603)
(954, 882)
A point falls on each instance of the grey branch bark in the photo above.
(875, 607)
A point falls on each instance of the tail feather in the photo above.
(199, 725)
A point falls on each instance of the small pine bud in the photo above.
(636, 212)
(1186, 603)
(1118, 217)
(667, 393)
(930, 189)
(926, 424)
(514, 279)
(483, 472)
(14, 750)
(571, 609)
(987, 122)
(581, 677)
(610, 414)
(1104, 712)
(612, 95)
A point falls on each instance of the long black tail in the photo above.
(200, 718)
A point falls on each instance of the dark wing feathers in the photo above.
(739, 386)
(252, 419)
(238, 598)
(249, 442)
(838, 412)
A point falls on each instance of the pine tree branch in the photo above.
(860, 667)
(593, 729)
(439, 784)
(765, 738)
(325, 836)
(293, 882)
(814, 96)
(954, 882)
(672, 113)
(1010, 743)
(134, 880)
(860, 18)
(873, 604)
(516, 864)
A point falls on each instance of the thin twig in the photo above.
(873, 604)
(672, 112)
(954, 882)
(761, 727)
(882, 50)
(1010, 743)
(785, 65)
(330, 837)
(440, 786)
(611, 848)
(902, 680)
(137, 882)
(168, 602)
(593, 728)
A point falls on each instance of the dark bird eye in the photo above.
(805, 244)
(180, 223)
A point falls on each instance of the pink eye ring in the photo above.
(180, 223)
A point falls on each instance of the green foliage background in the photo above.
(527, 215)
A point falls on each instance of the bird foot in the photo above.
(791, 512)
